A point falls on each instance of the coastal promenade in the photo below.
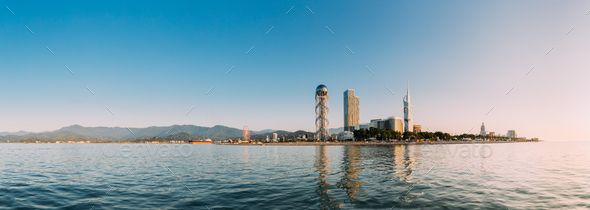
(368, 143)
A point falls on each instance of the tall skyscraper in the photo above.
(483, 130)
(511, 134)
(321, 112)
(351, 109)
(408, 115)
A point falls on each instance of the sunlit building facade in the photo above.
(394, 123)
(351, 110)
(408, 114)
(417, 128)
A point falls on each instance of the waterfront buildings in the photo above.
(483, 130)
(345, 135)
(352, 119)
(417, 128)
(511, 134)
(375, 123)
(398, 124)
(394, 123)
(362, 126)
(408, 114)
(351, 110)
(274, 137)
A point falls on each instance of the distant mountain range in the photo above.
(81, 133)
(335, 130)
(263, 131)
(51, 136)
(19, 133)
(215, 132)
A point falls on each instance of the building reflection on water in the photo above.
(399, 161)
(405, 161)
(352, 168)
(349, 182)
(322, 165)
(246, 155)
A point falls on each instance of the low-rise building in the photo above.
(394, 123)
(345, 136)
(361, 126)
(417, 128)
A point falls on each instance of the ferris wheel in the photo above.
(246, 133)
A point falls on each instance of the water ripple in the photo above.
(79, 176)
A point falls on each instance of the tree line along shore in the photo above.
(369, 143)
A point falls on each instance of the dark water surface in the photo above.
(544, 175)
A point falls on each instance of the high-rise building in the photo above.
(351, 110)
(321, 112)
(417, 128)
(274, 137)
(408, 115)
(483, 130)
(511, 134)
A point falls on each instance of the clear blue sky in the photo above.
(150, 62)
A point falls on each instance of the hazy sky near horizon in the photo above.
(150, 62)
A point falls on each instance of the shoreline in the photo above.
(375, 143)
(370, 143)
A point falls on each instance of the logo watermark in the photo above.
(475, 150)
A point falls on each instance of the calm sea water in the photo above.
(512, 176)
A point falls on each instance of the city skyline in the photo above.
(159, 65)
